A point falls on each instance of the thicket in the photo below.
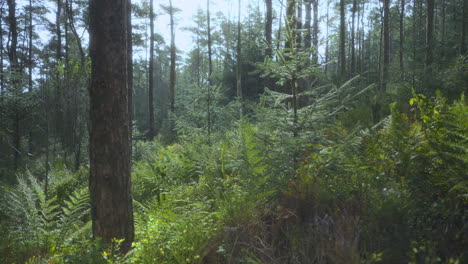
(264, 190)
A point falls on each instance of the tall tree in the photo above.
(151, 77)
(110, 182)
(307, 25)
(342, 48)
(386, 45)
(429, 33)
(172, 79)
(402, 36)
(315, 30)
(239, 50)
(15, 72)
(268, 27)
(463, 44)
(210, 61)
(353, 37)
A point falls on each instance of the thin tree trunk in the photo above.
(210, 65)
(386, 45)
(342, 55)
(299, 26)
(444, 8)
(110, 181)
(172, 80)
(307, 26)
(239, 57)
(151, 133)
(15, 71)
(353, 36)
(327, 39)
(429, 34)
(315, 31)
(210, 62)
(278, 39)
(268, 27)
(402, 36)
(30, 66)
(463, 45)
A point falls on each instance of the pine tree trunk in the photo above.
(315, 32)
(353, 36)
(172, 80)
(130, 72)
(210, 62)
(151, 132)
(239, 58)
(110, 182)
(402, 36)
(386, 45)
(268, 27)
(429, 34)
(342, 49)
(307, 26)
(463, 44)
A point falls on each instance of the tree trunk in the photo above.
(342, 55)
(299, 26)
(151, 133)
(268, 27)
(386, 45)
(327, 39)
(210, 62)
(15, 71)
(110, 182)
(172, 80)
(429, 34)
(307, 26)
(353, 37)
(402, 36)
(130, 72)
(315, 32)
(463, 45)
(239, 50)
(278, 39)
(290, 21)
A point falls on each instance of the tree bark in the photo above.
(386, 45)
(210, 62)
(402, 36)
(239, 58)
(172, 79)
(429, 34)
(342, 54)
(315, 32)
(353, 37)
(151, 133)
(268, 27)
(307, 26)
(110, 182)
(463, 45)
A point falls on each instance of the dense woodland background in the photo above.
(306, 132)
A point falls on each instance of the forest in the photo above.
(289, 131)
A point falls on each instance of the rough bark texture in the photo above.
(268, 27)
(130, 70)
(151, 77)
(110, 184)
(463, 44)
